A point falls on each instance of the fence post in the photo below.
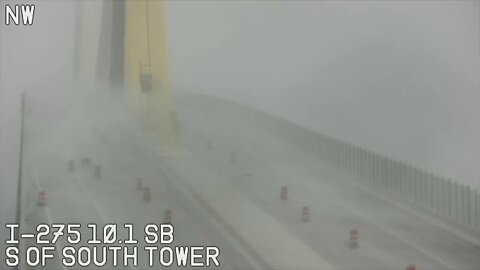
(391, 173)
(430, 189)
(410, 181)
(361, 162)
(320, 146)
(477, 210)
(368, 165)
(338, 152)
(414, 183)
(380, 164)
(436, 180)
(365, 163)
(345, 155)
(327, 149)
(398, 170)
(427, 189)
(357, 160)
(401, 178)
(469, 216)
(456, 201)
(443, 197)
(464, 203)
(395, 175)
(422, 187)
(387, 173)
(450, 199)
(405, 176)
(324, 147)
(371, 166)
(426, 186)
(434, 192)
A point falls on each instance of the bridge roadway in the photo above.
(233, 205)
(78, 197)
(390, 237)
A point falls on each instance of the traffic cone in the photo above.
(97, 172)
(139, 183)
(284, 193)
(167, 216)
(411, 267)
(42, 198)
(71, 166)
(305, 214)
(353, 239)
(147, 196)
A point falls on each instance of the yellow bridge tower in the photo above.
(124, 43)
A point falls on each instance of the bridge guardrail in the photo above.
(446, 197)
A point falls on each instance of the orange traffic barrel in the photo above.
(353, 238)
(167, 216)
(42, 198)
(147, 195)
(71, 166)
(305, 214)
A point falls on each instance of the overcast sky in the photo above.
(397, 77)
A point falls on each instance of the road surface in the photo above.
(223, 190)
(390, 237)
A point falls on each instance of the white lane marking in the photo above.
(130, 159)
(357, 213)
(49, 218)
(225, 265)
(414, 212)
(153, 155)
(353, 211)
(93, 201)
(148, 152)
(200, 233)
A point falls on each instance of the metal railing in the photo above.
(445, 197)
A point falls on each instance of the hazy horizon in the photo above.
(399, 78)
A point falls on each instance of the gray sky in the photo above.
(34, 58)
(399, 78)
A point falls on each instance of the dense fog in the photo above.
(399, 78)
